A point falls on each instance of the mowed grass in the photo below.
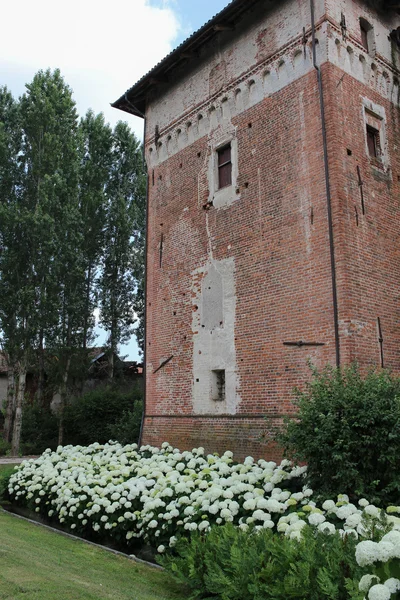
(38, 564)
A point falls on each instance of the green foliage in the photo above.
(126, 429)
(102, 414)
(39, 429)
(231, 564)
(5, 446)
(5, 473)
(347, 431)
(121, 272)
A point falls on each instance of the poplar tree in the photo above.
(123, 240)
(10, 265)
(95, 166)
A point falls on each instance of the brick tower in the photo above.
(272, 145)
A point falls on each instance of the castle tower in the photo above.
(272, 144)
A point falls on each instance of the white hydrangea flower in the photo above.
(372, 511)
(367, 581)
(367, 553)
(329, 505)
(327, 528)
(385, 551)
(392, 584)
(379, 592)
(316, 519)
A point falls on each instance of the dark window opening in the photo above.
(365, 29)
(373, 142)
(224, 166)
(218, 385)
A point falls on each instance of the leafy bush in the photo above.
(383, 561)
(126, 429)
(347, 430)
(104, 413)
(231, 564)
(39, 429)
(5, 474)
(154, 495)
(5, 447)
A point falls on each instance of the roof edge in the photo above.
(134, 99)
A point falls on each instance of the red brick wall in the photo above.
(368, 253)
(277, 233)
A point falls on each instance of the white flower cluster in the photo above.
(156, 494)
(386, 551)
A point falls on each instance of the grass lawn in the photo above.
(37, 564)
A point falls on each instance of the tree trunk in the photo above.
(87, 307)
(40, 388)
(10, 409)
(63, 402)
(111, 365)
(16, 437)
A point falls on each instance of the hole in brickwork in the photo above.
(197, 380)
(246, 185)
(199, 118)
(160, 177)
(218, 385)
(199, 154)
(250, 125)
(180, 166)
(174, 313)
(349, 152)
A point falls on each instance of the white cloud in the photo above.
(102, 48)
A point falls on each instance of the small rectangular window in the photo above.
(218, 385)
(374, 142)
(224, 167)
(367, 34)
(364, 37)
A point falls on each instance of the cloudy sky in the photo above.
(101, 48)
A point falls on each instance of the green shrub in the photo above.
(5, 474)
(39, 429)
(102, 414)
(126, 429)
(347, 431)
(5, 447)
(231, 564)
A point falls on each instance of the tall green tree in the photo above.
(95, 167)
(123, 240)
(11, 268)
(49, 122)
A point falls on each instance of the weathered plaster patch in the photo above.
(213, 327)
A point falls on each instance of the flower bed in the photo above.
(151, 495)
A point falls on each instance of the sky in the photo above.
(102, 49)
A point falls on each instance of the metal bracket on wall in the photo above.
(165, 362)
(300, 343)
(380, 340)
(161, 249)
(360, 185)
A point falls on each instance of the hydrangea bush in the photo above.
(382, 558)
(153, 495)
